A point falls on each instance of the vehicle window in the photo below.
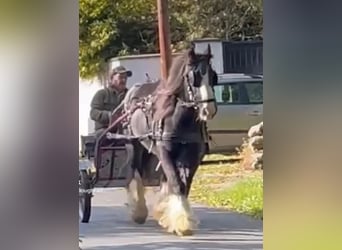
(239, 93)
(254, 92)
(227, 94)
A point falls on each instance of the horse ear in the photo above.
(209, 50)
(191, 52)
(209, 55)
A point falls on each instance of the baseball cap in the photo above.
(121, 69)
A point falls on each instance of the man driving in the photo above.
(107, 99)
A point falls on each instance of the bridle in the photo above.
(193, 79)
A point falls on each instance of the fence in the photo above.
(243, 57)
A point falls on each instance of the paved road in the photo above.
(111, 228)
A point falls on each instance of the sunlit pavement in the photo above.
(111, 228)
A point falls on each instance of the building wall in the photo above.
(87, 90)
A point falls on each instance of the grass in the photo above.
(229, 186)
(220, 157)
(245, 196)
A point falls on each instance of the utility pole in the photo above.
(164, 37)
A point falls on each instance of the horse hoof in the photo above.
(183, 233)
(141, 216)
(139, 220)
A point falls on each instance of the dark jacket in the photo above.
(102, 105)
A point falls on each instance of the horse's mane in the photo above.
(167, 90)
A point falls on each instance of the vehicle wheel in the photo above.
(84, 197)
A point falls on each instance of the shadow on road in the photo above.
(182, 245)
(218, 229)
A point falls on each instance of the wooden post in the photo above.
(164, 38)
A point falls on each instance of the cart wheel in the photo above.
(84, 197)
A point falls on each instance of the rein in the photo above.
(193, 104)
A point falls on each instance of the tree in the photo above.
(107, 27)
(110, 28)
(224, 19)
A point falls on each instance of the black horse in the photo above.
(173, 114)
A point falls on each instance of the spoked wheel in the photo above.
(85, 196)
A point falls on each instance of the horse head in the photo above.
(200, 80)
